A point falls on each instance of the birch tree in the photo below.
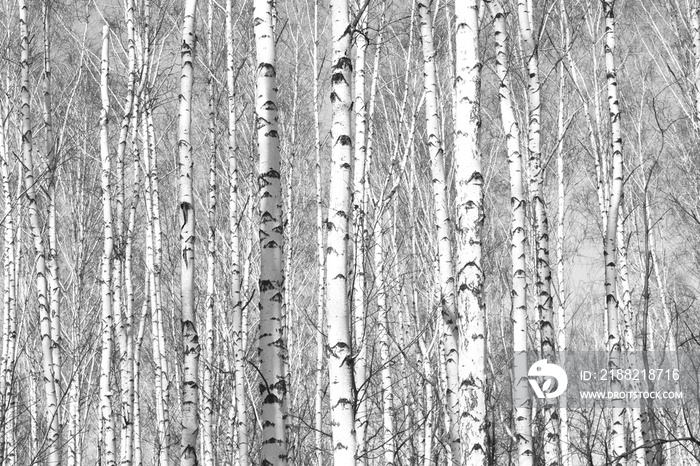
(272, 385)
(469, 225)
(108, 440)
(52, 259)
(9, 324)
(543, 276)
(387, 386)
(47, 344)
(364, 134)
(442, 231)
(320, 255)
(340, 353)
(153, 264)
(241, 425)
(190, 338)
(522, 401)
(131, 427)
(561, 282)
(617, 419)
(359, 202)
(123, 301)
(207, 402)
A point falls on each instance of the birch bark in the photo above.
(522, 400)
(241, 424)
(340, 363)
(380, 282)
(52, 259)
(470, 218)
(190, 338)
(122, 265)
(359, 251)
(320, 257)
(272, 353)
(566, 459)
(442, 230)
(617, 418)
(153, 239)
(543, 276)
(9, 331)
(207, 403)
(109, 440)
(51, 411)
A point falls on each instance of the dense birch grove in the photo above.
(349, 232)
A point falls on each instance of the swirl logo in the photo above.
(555, 379)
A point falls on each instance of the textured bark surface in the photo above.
(562, 316)
(320, 258)
(107, 428)
(240, 454)
(442, 230)
(190, 337)
(52, 258)
(47, 343)
(522, 400)
(208, 353)
(272, 386)
(627, 315)
(617, 418)
(359, 237)
(153, 239)
(469, 200)
(383, 337)
(124, 303)
(9, 321)
(536, 188)
(340, 353)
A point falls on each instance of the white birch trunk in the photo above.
(73, 422)
(33, 416)
(633, 407)
(51, 411)
(134, 346)
(138, 344)
(423, 357)
(470, 218)
(108, 435)
(340, 370)
(190, 338)
(617, 418)
(10, 286)
(320, 258)
(271, 344)
(522, 400)
(122, 261)
(9, 330)
(340, 365)
(153, 267)
(566, 459)
(359, 252)
(52, 259)
(442, 230)
(543, 276)
(240, 418)
(207, 403)
(380, 282)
